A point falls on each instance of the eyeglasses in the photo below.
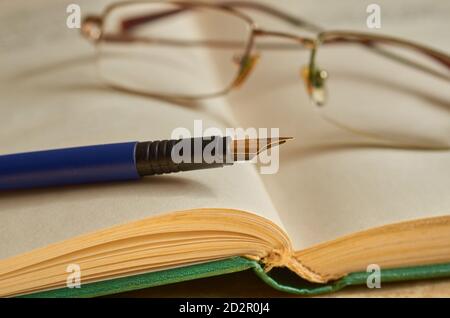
(379, 86)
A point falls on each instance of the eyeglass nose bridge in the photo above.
(305, 41)
(313, 77)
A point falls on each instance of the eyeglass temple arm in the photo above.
(130, 23)
(274, 12)
(370, 41)
(91, 25)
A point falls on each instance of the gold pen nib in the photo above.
(247, 149)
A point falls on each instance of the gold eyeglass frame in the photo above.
(314, 77)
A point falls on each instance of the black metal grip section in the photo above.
(168, 156)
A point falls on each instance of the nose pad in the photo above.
(246, 65)
(315, 84)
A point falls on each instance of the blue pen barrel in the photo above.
(100, 163)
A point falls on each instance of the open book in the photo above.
(331, 210)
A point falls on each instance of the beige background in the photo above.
(416, 19)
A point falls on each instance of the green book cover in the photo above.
(237, 264)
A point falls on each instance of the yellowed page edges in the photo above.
(405, 244)
(155, 243)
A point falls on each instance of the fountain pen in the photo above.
(125, 161)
